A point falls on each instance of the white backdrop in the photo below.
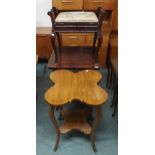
(42, 7)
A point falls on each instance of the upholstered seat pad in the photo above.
(77, 16)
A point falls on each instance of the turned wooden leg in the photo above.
(96, 121)
(53, 119)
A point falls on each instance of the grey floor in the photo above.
(73, 143)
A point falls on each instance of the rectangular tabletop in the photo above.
(74, 57)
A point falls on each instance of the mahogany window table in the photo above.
(81, 86)
(73, 58)
(75, 22)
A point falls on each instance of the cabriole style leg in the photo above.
(53, 119)
(96, 121)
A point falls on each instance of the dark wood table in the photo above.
(74, 57)
(61, 58)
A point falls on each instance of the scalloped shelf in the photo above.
(75, 121)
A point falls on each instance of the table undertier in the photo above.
(75, 121)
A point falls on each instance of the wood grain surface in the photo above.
(81, 85)
(75, 121)
(74, 58)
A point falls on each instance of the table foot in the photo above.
(53, 119)
(57, 142)
(93, 142)
(97, 119)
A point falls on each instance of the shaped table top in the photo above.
(80, 85)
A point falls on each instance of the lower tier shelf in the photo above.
(74, 57)
(75, 121)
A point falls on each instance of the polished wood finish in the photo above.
(37, 57)
(73, 39)
(84, 27)
(75, 121)
(95, 123)
(103, 50)
(43, 31)
(74, 58)
(81, 85)
(40, 48)
(72, 122)
(68, 4)
(89, 39)
(94, 4)
(108, 24)
(113, 43)
(114, 64)
(53, 119)
(43, 44)
(115, 18)
(66, 27)
(102, 55)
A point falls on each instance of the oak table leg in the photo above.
(96, 121)
(53, 119)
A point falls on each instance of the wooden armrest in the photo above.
(100, 15)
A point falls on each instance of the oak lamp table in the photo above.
(81, 86)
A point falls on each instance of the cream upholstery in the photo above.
(77, 16)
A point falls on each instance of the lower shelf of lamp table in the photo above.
(75, 121)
